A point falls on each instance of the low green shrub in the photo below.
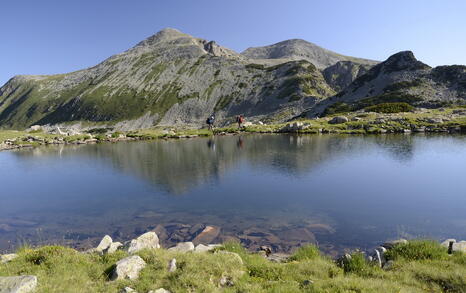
(418, 250)
(390, 108)
(305, 253)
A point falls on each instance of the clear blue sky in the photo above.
(57, 36)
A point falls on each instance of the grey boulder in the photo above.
(18, 284)
(128, 268)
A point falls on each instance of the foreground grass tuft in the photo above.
(420, 266)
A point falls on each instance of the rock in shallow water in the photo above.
(128, 268)
(18, 284)
(207, 235)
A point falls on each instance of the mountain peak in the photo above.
(404, 60)
(298, 49)
(165, 34)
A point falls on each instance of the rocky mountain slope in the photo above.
(172, 78)
(297, 49)
(169, 78)
(402, 78)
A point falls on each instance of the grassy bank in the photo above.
(419, 266)
(445, 120)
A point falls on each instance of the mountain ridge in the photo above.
(172, 78)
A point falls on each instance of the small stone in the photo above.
(205, 248)
(8, 257)
(226, 282)
(149, 240)
(114, 247)
(18, 284)
(307, 282)
(338, 120)
(128, 268)
(104, 244)
(183, 247)
(128, 290)
(161, 290)
(172, 266)
(278, 257)
(388, 265)
(393, 243)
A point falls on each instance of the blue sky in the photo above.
(56, 36)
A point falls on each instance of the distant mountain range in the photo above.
(172, 78)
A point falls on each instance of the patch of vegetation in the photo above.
(61, 269)
(224, 101)
(307, 252)
(338, 107)
(155, 72)
(390, 108)
(402, 85)
(254, 66)
(211, 88)
(418, 250)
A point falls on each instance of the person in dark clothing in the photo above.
(210, 122)
(240, 120)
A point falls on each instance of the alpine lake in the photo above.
(340, 192)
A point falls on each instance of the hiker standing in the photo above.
(210, 122)
(239, 120)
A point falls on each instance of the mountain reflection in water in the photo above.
(279, 190)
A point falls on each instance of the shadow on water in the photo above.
(280, 190)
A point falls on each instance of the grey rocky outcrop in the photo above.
(104, 244)
(148, 240)
(457, 245)
(18, 284)
(183, 247)
(128, 268)
(339, 120)
(7, 257)
(206, 248)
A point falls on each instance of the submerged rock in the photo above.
(207, 235)
(128, 268)
(18, 284)
(149, 240)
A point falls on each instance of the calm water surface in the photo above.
(337, 191)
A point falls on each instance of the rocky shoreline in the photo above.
(130, 266)
(447, 121)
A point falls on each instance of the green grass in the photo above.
(390, 108)
(61, 269)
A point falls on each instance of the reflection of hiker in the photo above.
(240, 143)
(239, 120)
(211, 144)
(210, 122)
